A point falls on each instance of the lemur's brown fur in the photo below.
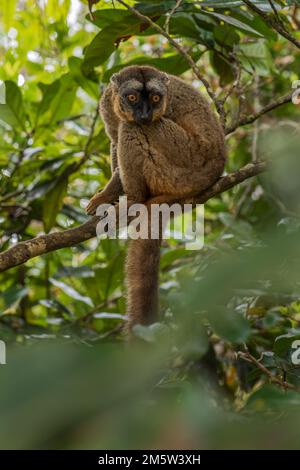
(181, 152)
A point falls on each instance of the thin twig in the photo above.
(273, 23)
(275, 12)
(269, 107)
(235, 84)
(91, 133)
(255, 130)
(246, 356)
(169, 16)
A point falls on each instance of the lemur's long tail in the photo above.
(142, 269)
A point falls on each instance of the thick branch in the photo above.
(266, 109)
(229, 181)
(23, 251)
(273, 23)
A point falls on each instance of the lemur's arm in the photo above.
(109, 194)
(114, 156)
(113, 189)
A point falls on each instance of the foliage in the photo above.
(194, 388)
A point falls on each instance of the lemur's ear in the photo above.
(166, 79)
(115, 79)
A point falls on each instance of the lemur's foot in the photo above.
(96, 201)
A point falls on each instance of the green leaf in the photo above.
(107, 16)
(150, 333)
(197, 344)
(86, 84)
(173, 63)
(62, 102)
(53, 203)
(49, 92)
(109, 316)
(71, 292)
(108, 278)
(184, 24)
(55, 305)
(223, 68)
(57, 101)
(283, 344)
(229, 325)
(74, 213)
(256, 57)
(225, 35)
(40, 189)
(103, 45)
(12, 297)
(170, 256)
(256, 23)
(11, 105)
(222, 4)
(156, 7)
(271, 397)
(239, 227)
(234, 22)
(233, 4)
(8, 8)
(75, 271)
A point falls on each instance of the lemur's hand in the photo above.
(98, 199)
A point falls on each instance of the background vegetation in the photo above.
(217, 371)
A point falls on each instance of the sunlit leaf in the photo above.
(71, 292)
(53, 203)
(11, 105)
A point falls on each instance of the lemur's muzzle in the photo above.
(144, 114)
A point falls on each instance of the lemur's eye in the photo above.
(132, 98)
(155, 98)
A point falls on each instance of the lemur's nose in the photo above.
(146, 114)
(146, 118)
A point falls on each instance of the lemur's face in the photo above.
(141, 99)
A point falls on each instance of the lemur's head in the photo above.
(140, 94)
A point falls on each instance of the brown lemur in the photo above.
(165, 141)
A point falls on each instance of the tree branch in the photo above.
(273, 23)
(23, 251)
(252, 117)
(167, 23)
(273, 379)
